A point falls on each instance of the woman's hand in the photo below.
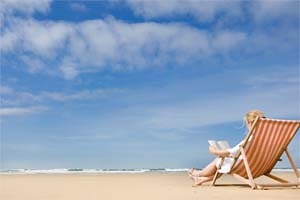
(212, 149)
(222, 153)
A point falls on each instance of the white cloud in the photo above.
(81, 95)
(265, 10)
(14, 98)
(39, 38)
(227, 40)
(5, 90)
(80, 7)
(282, 78)
(8, 40)
(202, 11)
(33, 64)
(209, 11)
(28, 7)
(94, 45)
(13, 111)
(70, 49)
(15, 103)
(69, 70)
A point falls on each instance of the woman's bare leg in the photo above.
(208, 171)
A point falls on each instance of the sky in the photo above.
(141, 84)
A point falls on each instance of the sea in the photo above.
(103, 171)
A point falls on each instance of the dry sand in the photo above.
(146, 186)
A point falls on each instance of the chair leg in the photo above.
(216, 176)
(250, 177)
(276, 178)
(293, 164)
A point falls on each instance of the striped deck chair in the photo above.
(262, 148)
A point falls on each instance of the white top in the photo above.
(225, 168)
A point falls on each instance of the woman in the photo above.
(207, 174)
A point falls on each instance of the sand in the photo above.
(146, 186)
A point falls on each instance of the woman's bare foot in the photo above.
(191, 171)
(199, 180)
(194, 172)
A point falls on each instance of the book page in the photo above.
(223, 145)
(219, 145)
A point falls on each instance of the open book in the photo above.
(219, 145)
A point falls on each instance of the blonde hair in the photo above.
(252, 115)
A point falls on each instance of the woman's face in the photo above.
(249, 124)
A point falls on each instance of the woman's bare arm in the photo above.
(222, 153)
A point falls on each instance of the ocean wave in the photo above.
(105, 171)
(87, 171)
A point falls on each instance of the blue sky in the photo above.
(141, 84)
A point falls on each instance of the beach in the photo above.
(142, 186)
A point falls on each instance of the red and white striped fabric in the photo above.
(269, 140)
